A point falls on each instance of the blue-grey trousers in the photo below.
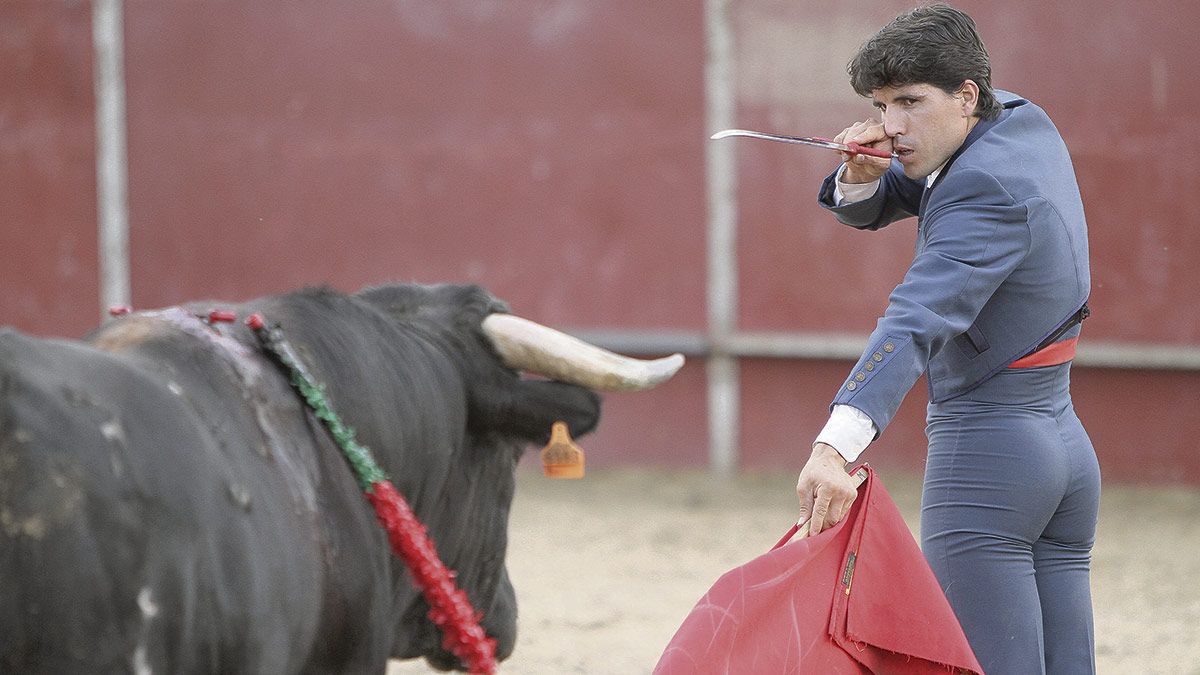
(1008, 519)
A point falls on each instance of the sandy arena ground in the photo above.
(607, 567)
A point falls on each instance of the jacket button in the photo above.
(869, 367)
(860, 376)
(852, 386)
(889, 347)
(877, 356)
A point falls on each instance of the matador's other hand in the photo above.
(825, 490)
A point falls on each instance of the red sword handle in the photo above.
(856, 149)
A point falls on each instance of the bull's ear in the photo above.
(526, 409)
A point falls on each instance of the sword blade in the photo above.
(804, 140)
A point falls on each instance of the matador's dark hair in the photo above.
(936, 45)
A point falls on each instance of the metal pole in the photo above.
(721, 164)
(112, 204)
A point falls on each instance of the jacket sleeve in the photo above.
(974, 236)
(898, 197)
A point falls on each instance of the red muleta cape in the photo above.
(857, 598)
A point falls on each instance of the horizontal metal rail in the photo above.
(848, 347)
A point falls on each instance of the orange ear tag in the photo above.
(561, 458)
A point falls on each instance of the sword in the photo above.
(848, 148)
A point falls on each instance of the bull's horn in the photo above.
(534, 348)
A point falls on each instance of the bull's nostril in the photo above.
(504, 649)
(444, 662)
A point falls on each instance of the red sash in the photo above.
(1051, 355)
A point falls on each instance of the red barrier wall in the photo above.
(548, 150)
(48, 268)
(554, 151)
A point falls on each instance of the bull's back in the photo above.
(136, 534)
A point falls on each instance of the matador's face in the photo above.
(927, 125)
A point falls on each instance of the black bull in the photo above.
(168, 505)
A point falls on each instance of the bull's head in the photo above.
(467, 510)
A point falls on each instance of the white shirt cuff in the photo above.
(851, 192)
(849, 431)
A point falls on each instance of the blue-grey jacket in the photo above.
(1001, 261)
